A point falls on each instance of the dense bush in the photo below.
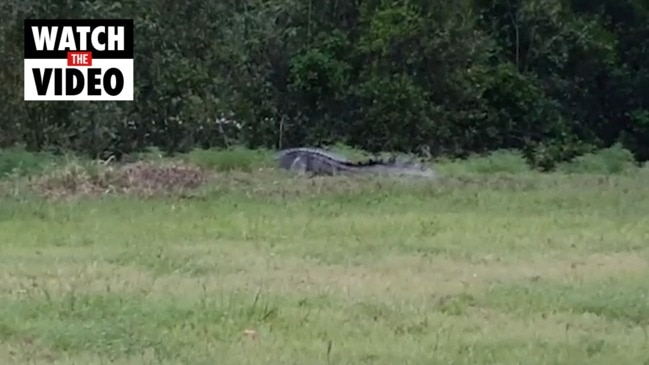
(551, 78)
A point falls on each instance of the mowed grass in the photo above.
(263, 268)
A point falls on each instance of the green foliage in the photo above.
(613, 160)
(552, 79)
(501, 161)
(17, 161)
(236, 158)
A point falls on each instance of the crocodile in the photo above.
(316, 161)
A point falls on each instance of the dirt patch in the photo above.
(146, 179)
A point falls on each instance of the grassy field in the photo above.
(484, 266)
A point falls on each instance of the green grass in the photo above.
(500, 266)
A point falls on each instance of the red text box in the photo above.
(79, 59)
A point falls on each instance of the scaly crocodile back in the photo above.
(314, 151)
(322, 162)
(305, 159)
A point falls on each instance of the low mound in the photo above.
(142, 178)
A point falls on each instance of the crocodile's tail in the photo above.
(397, 166)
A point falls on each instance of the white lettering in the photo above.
(95, 38)
(44, 37)
(67, 40)
(83, 32)
(116, 38)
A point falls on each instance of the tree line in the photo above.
(551, 78)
